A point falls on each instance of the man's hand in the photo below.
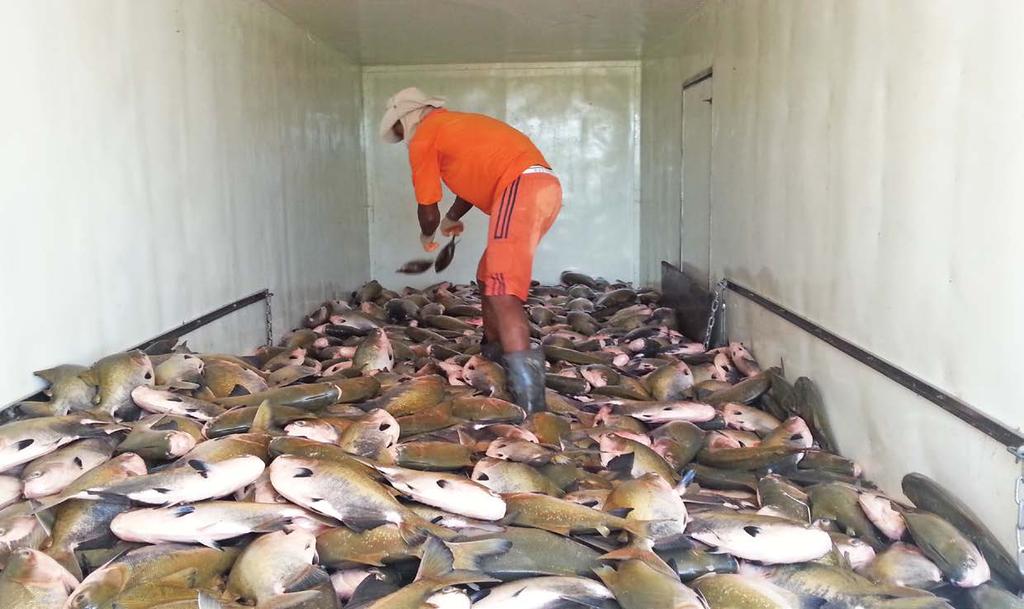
(428, 243)
(451, 227)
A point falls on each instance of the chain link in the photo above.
(269, 319)
(1018, 496)
(717, 302)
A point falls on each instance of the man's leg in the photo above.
(509, 318)
(490, 347)
(523, 214)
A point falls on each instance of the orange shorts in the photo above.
(519, 218)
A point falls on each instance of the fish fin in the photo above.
(209, 543)
(620, 512)
(185, 578)
(200, 466)
(436, 565)
(180, 385)
(102, 495)
(238, 391)
(263, 420)
(469, 554)
(603, 531)
(415, 529)
(207, 601)
(641, 528)
(622, 464)
(103, 540)
(437, 559)
(283, 601)
(364, 523)
(310, 578)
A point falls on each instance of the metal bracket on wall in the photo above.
(995, 429)
(209, 318)
(189, 326)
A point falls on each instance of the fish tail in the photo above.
(642, 528)
(437, 565)
(415, 530)
(470, 554)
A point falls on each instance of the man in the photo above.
(495, 168)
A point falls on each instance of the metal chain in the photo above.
(269, 319)
(717, 302)
(1018, 495)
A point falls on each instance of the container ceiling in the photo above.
(488, 31)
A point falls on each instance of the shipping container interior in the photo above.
(856, 162)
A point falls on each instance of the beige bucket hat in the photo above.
(407, 106)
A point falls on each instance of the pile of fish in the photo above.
(373, 459)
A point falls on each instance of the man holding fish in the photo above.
(497, 169)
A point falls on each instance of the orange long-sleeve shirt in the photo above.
(475, 155)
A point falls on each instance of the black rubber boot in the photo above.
(525, 372)
(491, 351)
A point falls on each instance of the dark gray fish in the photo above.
(415, 267)
(445, 257)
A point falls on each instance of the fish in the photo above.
(766, 539)
(374, 456)
(840, 505)
(641, 580)
(168, 563)
(547, 593)
(177, 368)
(206, 522)
(52, 473)
(67, 390)
(415, 267)
(25, 440)
(503, 477)
(564, 517)
(162, 401)
(903, 565)
(115, 376)
(450, 492)
(196, 482)
(162, 437)
(955, 555)
(445, 256)
(518, 552)
(929, 495)
(271, 565)
(879, 510)
(371, 434)
(33, 580)
(732, 591)
(338, 491)
(374, 353)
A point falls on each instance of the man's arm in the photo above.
(451, 224)
(429, 217)
(458, 209)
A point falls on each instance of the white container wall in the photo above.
(161, 159)
(583, 117)
(866, 174)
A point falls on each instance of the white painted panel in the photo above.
(866, 174)
(388, 32)
(160, 159)
(583, 117)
